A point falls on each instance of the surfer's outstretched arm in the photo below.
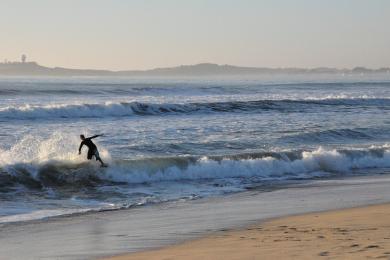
(81, 145)
(94, 136)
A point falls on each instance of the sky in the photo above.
(145, 34)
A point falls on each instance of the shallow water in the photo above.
(181, 139)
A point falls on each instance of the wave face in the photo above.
(124, 109)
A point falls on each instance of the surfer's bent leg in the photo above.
(97, 156)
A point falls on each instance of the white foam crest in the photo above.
(107, 109)
(312, 164)
(65, 111)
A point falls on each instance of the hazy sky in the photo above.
(142, 34)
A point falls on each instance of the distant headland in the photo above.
(24, 68)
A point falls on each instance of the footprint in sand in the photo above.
(372, 246)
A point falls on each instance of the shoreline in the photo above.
(104, 234)
(353, 233)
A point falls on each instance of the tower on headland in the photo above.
(24, 58)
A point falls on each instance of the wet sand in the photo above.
(104, 234)
(356, 233)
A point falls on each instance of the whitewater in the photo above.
(182, 139)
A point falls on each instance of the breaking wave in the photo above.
(253, 167)
(123, 109)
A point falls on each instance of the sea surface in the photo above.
(182, 139)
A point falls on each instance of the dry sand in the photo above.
(356, 233)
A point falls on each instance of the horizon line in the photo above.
(198, 64)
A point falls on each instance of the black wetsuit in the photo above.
(92, 149)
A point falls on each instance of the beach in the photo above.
(111, 233)
(357, 233)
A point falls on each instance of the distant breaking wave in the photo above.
(140, 88)
(124, 109)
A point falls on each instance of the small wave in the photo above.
(124, 109)
(334, 135)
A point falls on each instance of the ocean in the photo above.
(182, 139)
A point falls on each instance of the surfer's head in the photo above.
(82, 137)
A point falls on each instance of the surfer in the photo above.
(92, 149)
